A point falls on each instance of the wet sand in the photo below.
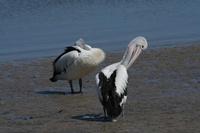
(163, 96)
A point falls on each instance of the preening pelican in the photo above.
(76, 62)
(112, 80)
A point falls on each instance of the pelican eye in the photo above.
(142, 46)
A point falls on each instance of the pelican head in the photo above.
(134, 49)
(81, 43)
(139, 41)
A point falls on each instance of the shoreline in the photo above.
(34, 57)
(163, 96)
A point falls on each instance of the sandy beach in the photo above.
(163, 96)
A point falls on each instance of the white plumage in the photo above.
(121, 79)
(112, 80)
(76, 62)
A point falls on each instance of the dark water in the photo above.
(35, 28)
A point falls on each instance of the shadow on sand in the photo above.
(92, 117)
(56, 93)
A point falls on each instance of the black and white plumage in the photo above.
(76, 62)
(112, 80)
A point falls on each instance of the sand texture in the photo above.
(163, 96)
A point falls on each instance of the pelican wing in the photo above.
(100, 80)
(98, 86)
(65, 60)
(121, 80)
(69, 49)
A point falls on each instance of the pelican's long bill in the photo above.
(134, 49)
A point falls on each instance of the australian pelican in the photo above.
(76, 62)
(112, 80)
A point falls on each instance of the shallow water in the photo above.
(37, 28)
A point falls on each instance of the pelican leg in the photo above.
(104, 111)
(80, 85)
(71, 86)
(123, 110)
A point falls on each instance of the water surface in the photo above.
(38, 28)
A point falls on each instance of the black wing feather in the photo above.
(67, 50)
(110, 98)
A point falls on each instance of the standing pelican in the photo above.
(112, 80)
(76, 62)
